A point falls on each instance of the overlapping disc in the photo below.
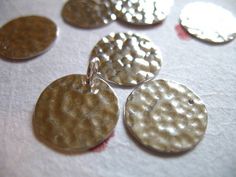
(88, 13)
(142, 12)
(127, 59)
(165, 116)
(208, 22)
(71, 116)
(26, 37)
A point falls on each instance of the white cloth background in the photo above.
(208, 70)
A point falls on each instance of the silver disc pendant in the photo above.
(88, 13)
(71, 116)
(142, 12)
(127, 59)
(208, 22)
(165, 116)
(26, 37)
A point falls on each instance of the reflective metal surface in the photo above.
(88, 13)
(142, 12)
(208, 22)
(127, 59)
(72, 116)
(26, 37)
(165, 116)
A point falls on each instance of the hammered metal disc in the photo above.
(208, 22)
(127, 59)
(26, 37)
(165, 116)
(71, 117)
(88, 13)
(142, 12)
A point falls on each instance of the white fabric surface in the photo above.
(206, 69)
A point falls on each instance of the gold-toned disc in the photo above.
(165, 116)
(142, 12)
(26, 37)
(88, 13)
(208, 22)
(73, 117)
(127, 59)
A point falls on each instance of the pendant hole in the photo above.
(190, 101)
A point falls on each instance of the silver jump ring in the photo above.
(92, 71)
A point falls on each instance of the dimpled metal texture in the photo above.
(142, 12)
(165, 116)
(208, 22)
(26, 37)
(88, 13)
(127, 59)
(73, 117)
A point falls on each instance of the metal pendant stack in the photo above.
(78, 112)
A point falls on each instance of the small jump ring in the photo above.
(92, 70)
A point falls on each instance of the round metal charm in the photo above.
(165, 116)
(142, 12)
(88, 13)
(127, 59)
(26, 37)
(73, 116)
(208, 22)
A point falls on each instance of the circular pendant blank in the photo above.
(165, 116)
(71, 117)
(127, 59)
(208, 22)
(88, 13)
(26, 37)
(142, 12)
